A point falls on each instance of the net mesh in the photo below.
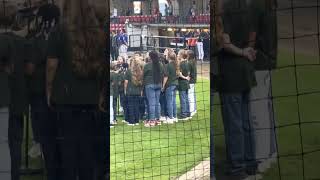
(167, 151)
(292, 101)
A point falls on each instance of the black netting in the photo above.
(284, 119)
(173, 149)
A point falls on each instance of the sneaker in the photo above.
(124, 121)
(162, 118)
(157, 122)
(111, 126)
(146, 123)
(184, 118)
(193, 113)
(137, 124)
(130, 124)
(170, 120)
(175, 119)
(152, 123)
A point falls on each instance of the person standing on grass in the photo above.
(184, 85)
(163, 101)
(76, 73)
(112, 95)
(154, 79)
(193, 80)
(264, 39)
(200, 39)
(237, 79)
(121, 67)
(133, 90)
(44, 124)
(173, 69)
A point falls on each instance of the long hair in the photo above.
(136, 68)
(85, 32)
(191, 57)
(218, 23)
(173, 58)
(154, 57)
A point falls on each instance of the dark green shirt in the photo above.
(237, 72)
(185, 70)
(6, 56)
(68, 88)
(172, 75)
(264, 23)
(37, 81)
(132, 89)
(19, 53)
(193, 72)
(112, 82)
(148, 74)
(120, 82)
(116, 84)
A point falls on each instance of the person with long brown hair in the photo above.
(76, 72)
(173, 70)
(133, 89)
(154, 79)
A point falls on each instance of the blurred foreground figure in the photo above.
(15, 57)
(76, 72)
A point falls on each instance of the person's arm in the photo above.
(125, 86)
(248, 52)
(52, 64)
(165, 79)
(252, 39)
(183, 77)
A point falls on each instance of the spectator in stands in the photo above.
(129, 12)
(166, 10)
(170, 8)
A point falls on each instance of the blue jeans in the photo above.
(239, 136)
(171, 101)
(184, 103)
(163, 104)
(153, 96)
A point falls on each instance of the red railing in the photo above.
(199, 19)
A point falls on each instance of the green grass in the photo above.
(288, 115)
(160, 152)
(164, 151)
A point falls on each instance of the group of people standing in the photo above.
(52, 61)
(147, 85)
(246, 41)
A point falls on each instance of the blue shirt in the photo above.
(122, 39)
